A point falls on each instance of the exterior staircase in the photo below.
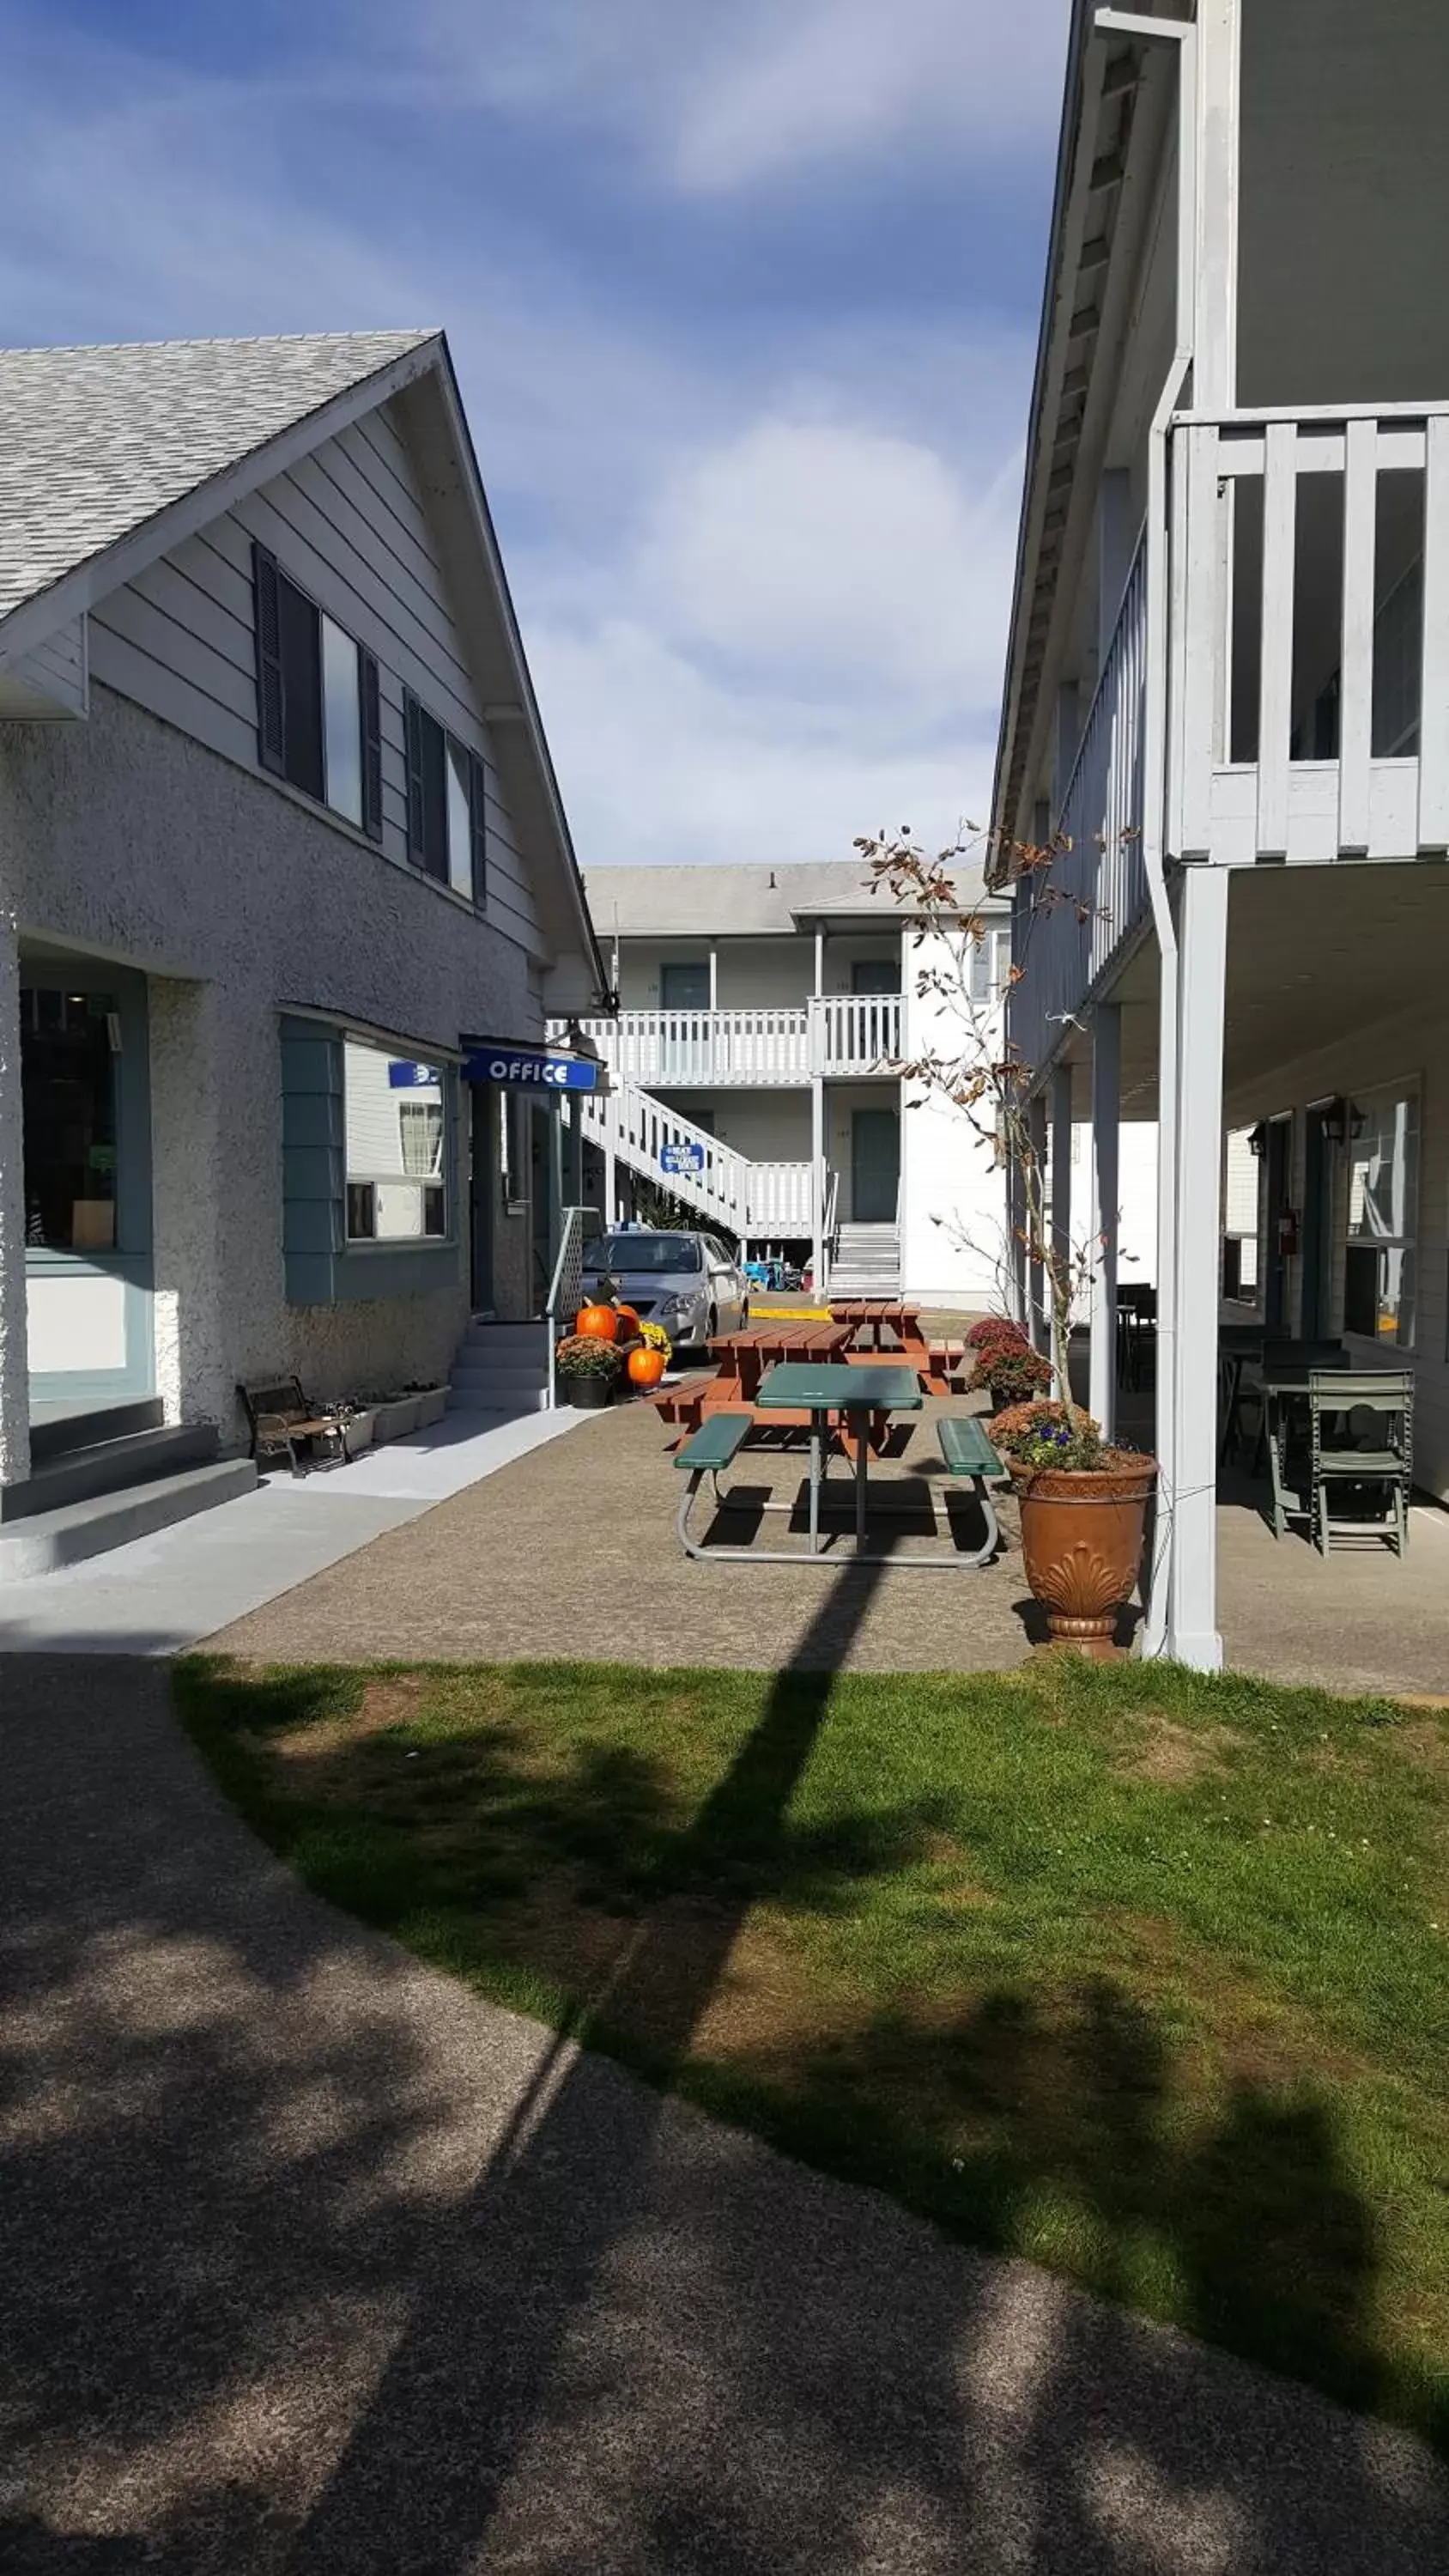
(501, 1368)
(98, 1480)
(867, 1262)
(758, 1201)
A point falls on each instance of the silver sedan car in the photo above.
(689, 1283)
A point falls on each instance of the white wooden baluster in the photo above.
(1356, 691)
(1275, 711)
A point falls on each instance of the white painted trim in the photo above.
(1355, 748)
(1106, 1194)
(1434, 702)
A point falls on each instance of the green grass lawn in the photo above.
(1138, 1974)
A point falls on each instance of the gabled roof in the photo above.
(110, 456)
(754, 900)
(95, 442)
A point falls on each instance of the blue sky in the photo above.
(742, 294)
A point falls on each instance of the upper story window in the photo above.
(446, 836)
(990, 962)
(318, 712)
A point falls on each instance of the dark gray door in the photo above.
(875, 1166)
(685, 987)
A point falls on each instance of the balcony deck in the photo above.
(836, 1036)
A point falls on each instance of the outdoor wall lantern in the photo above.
(1339, 1119)
(1258, 1138)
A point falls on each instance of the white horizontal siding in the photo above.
(349, 524)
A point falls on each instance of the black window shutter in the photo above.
(271, 697)
(416, 822)
(477, 829)
(371, 722)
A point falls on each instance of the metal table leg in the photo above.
(862, 1450)
(816, 1461)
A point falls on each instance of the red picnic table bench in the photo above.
(871, 1318)
(742, 1360)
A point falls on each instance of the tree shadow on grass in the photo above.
(310, 2264)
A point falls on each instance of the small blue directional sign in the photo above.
(682, 1158)
(411, 1077)
(531, 1069)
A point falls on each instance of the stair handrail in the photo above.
(566, 1286)
(829, 1227)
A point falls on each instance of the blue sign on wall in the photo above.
(411, 1077)
(530, 1069)
(682, 1158)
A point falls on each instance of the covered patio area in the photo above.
(1305, 1015)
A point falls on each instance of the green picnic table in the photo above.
(825, 1387)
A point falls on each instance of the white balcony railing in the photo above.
(1073, 915)
(1310, 646)
(839, 1034)
(751, 1200)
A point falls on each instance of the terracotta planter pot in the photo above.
(1081, 1537)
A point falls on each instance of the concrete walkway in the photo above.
(593, 1521)
(312, 2265)
(164, 1592)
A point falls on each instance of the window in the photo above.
(445, 805)
(68, 1045)
(875, 975)
(1383, 1190)
(397, 1189)
(684, 985)
(990, 963)
(318, 712)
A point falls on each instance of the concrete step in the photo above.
(506, 1337)
(46, 1540)
(471, 1371)
(81, 1430)
(108, 1466)
(485, 1398)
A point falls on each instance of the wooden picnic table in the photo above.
(869, 1319)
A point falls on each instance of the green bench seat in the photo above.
(965, 1449)
(714, 1444)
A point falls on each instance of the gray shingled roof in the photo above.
(725, 903)
(94, 442)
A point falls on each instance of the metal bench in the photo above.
(706, 1453)
(280, 1417)
(966, 1451)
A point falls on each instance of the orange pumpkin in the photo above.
(629, 1319)
(646, 1367)
(600, 1323)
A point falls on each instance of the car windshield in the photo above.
(660, 1253)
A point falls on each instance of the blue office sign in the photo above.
(532, 1069)
(682, 1158)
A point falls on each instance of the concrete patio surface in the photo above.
(592, 1523)
(164, 1592)
(312, 2264)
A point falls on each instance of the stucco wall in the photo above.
(124, 838)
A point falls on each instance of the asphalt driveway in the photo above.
(309, 2261)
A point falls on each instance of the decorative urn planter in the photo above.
(1081, 1538)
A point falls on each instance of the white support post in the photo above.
(1189, 1498)
(1434, 681)
(817, 1179)
(14, 1364)
(1215, 279)
(1016, 1279)
(1061, 1177)
(1035, 1218)
(611, 1170)
(1106, 1115)
(713, 976)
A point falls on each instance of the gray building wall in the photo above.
(125, 839)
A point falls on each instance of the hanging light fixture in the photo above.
(1338, 1118)
(1257, 1139)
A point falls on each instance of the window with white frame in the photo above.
(1382, 1219)
(990, 962)
(397, 1188)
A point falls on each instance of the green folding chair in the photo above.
(1360, 1431)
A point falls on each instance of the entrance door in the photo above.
(875, 1166)
(86, 1135)
(487, 1113)
(1280, 1166)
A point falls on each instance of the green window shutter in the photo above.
(371, 724)
(477, 829)
(271, 695)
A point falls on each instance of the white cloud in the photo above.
(717, 98)
(763, 599)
